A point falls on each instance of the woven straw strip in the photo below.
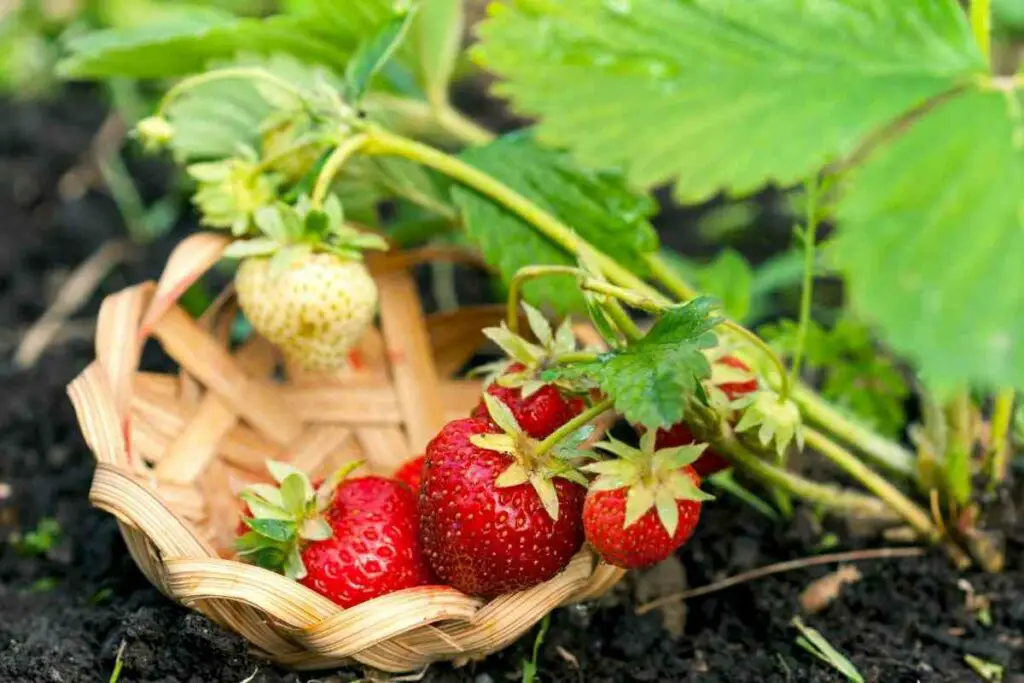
(412, 366)
(190, 452)
(251, 398)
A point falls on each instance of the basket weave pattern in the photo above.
(173, 451)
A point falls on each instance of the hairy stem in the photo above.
(810, 236)
(981, 26)
(915, 515)
(622, 321)
(524, 275)
(882, 451)
(332, 166)
(461, 127)
(1002, 414)
(385, 143)
(825, 495)
(578, 422)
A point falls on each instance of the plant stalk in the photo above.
(915, 515)
(981, 26)
(824, 495)
(881, 450)
(524, 275)
(1002, 414)
(622, 321)
(332, 166)
(810, 235)
(573, 425)
(385, 143)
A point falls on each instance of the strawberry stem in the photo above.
(573, 425)
(810, 237)
(1002, 412)
(524, 275)
(332, 166)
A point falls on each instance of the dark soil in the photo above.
(64, 612)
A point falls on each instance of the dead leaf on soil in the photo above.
(821, 593)
(665, 578)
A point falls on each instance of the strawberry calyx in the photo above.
(285, 517)
(653, 478)
(527, 361)
(778, 421)
(291, 232)
(531, 464)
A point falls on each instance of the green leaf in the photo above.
(274, 529)
(186, 44)
(433, 46)
(652, 379)
(729, 278)
(932, 238)
(719, 94)
(373, 53)
(597, 206)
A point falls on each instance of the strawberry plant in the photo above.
(314, 132)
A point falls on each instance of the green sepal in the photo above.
(275, 529)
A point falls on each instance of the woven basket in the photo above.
(173, 451)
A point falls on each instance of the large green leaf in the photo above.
(598, 207)
(722, 94)
(932, 241)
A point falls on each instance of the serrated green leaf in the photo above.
(703, 91)
(651, 380)
(932, 238)
(274, 529)
(374, 52)
(598, 207)
(729, 278)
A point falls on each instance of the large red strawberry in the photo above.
(351, 540)
(644, 504)
(497, 516)
(411, 473)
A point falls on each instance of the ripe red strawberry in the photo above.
(644, 504)
(352, 540)
(497, 516)
(539, 413)
(709, 462)
(411, 473)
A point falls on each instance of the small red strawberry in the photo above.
(351, 540)
(539, 413)
(497, 515)
(734, 379)
(538, 406)
(411, 473)
(734, 386)
(644, 504)
(709, 462)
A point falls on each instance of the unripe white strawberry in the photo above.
(315, 310)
